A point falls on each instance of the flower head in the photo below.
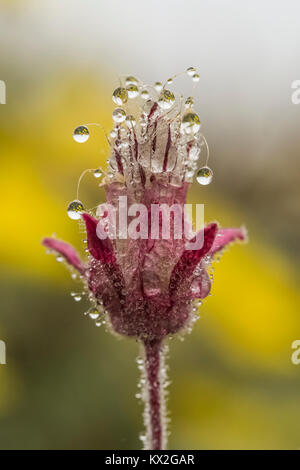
(146, 283)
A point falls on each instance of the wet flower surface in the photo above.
(145, 286)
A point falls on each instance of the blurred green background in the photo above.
(69, 385)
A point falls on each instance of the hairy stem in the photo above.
(154, 395)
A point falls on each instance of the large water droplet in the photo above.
(98, 173)
(196, 77)
(120, 96)
(145, 94)
(190, 123)
(133, 91)
(130, 121)
(158, 86)
(204, 175)
(75, 209)
(118, 115)
(131, 81)
(81, 134)
(166, 99)
(93, 313)
(189, 102)
(191, 71)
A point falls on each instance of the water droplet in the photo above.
(113, 134)
(204, 175)
(98, 323)
(77, 297)
(59, 258)
(145, 94)
(158, 86)
(120, 96)
(191, 71)
(196, 77)
(169, 81)
(166, 99)
(93, 313)
(133, 91)
(118, 115)
(131, 81)
(81, 134)
(189, 102)
(75, 209)
(130, 121)
(98, 173)
(190, 123)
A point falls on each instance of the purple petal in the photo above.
(99, 249)
(226, 236)
(67, 251)
(102, 250)
(190, 258)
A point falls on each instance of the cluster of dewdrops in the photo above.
(190, 123)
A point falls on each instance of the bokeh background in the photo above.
(69, 385)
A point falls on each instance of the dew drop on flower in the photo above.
(120, 96)
(118, 115)
(131, 81)
(130, 120)
(113, 134)
(191, 71)
(196, 77)
(81, 134)
(189, 102)
(132, 91)
(169, 81)
(166, 99)
(75, 209)
(158, 86)
(77, 298)
(59, 258)
(98, 173)
(204, 175)
(93, 313)
(190, 123)
(144, 94)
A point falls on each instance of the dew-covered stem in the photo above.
(154, 396)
